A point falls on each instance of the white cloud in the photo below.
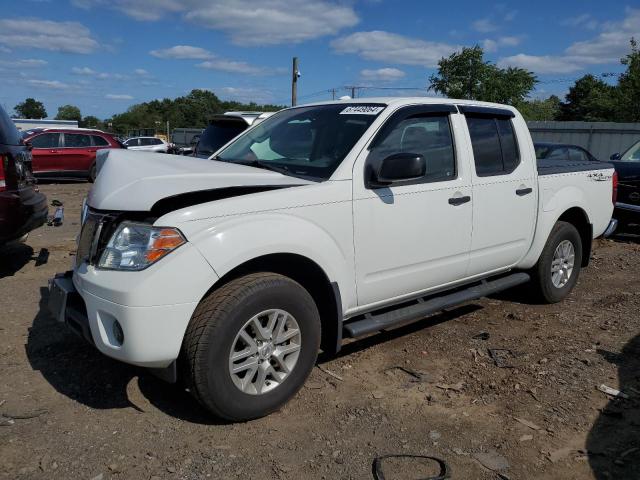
(51, 84)
(183, 52)
(540, 63)
(382, 74)
(490, 45)
(118, 96)
(584, 20)
(141, 72)
(246, 94)
(83, 71)
(89, 72)
(211, 60)
(232, 66)
(248, 22)
(605, 48)
(484, 25)
(393, 48)
(5, 49)
(25, 63)
(70, 37)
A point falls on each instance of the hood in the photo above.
(135, 181)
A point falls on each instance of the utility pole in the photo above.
(353, 92)
(295, 74)
(333, 93)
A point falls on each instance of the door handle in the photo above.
(455, 201)
(524, 191)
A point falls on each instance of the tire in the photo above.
(548, 289)
(92, 173)
(214, 332)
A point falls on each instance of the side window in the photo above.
(132, 142)
(99, 141)
(495, 149)
(561, 153)
(146, 141)
(46, 140)
(74, 140)
(157, 141)
(577, 155)
(429, 136)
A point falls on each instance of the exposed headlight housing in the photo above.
(135, 246)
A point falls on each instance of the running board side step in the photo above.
(375, 322)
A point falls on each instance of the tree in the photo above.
(91, 122)
(69, 112)
(590, 100)
(30, 108)
(193, 110)
(547, 109)
(465, 74)
(629, 86)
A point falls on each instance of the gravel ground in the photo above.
(500, 388)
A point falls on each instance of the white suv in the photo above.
(147, 144)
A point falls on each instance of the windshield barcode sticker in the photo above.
(362, 110)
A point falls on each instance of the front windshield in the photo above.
(633, 154)
(308, 142)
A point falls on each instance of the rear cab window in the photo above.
(495, 147)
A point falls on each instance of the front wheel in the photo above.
(251, 345)
(558, 267)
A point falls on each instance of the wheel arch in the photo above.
(577, 217)
(325, 293)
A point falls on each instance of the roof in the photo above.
(400, 101)
(65, 130)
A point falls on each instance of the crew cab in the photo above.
(325, 221)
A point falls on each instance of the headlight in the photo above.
(135, 246)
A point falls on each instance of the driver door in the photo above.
(413, 236)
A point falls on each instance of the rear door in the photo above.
(414, 236)
(504, 190)
(79, 154)
(47, 152)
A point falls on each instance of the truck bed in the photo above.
(554, 167)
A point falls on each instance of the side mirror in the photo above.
(399, 167)
(615, 156)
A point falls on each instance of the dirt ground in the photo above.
(500, 388)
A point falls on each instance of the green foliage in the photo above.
(192, 110)
(589, 100)
(465, 74)
(91, 122)
(69, 112)
(629, 86)
(547, 109)
(30, 108)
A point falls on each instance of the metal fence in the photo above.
(602, 139)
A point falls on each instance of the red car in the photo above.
(67, 152)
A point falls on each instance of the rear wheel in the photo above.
(558, 267)
(250, 345)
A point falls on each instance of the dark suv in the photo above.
(22, 206)
(68, 152)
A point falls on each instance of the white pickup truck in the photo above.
(325, 221)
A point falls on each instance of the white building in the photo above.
(30, 123)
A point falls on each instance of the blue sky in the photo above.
(105, 55)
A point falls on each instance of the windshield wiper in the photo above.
(258, 164)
